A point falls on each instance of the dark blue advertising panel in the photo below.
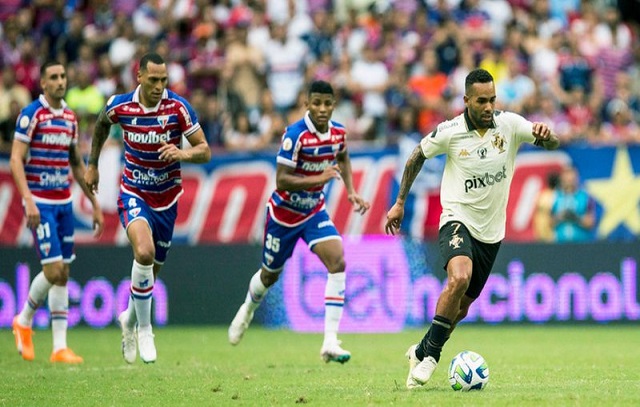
(392, 284)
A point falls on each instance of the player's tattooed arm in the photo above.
(100, 135)
(411, 170)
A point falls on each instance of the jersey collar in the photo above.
(45, 103)
(472, 126)
(312, 128)
(136, 98)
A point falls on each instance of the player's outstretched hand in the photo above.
(361, 205)
(394, 219)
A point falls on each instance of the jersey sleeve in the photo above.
(110, 110)
(289, 149)
(434, 143)
(187, 117)
(522, 128)
(25, 125)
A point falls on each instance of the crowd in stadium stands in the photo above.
(398, 66)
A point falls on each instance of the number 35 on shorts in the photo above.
(272, 243)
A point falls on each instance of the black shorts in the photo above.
(455, 240)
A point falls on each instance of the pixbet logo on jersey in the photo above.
(485, 180)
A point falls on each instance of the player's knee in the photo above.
(336, 265)
(57, 273)
(458, 281)
(268, 278)
(145, 256)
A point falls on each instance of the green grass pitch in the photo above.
(580, 365)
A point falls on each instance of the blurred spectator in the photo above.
(10, 44)
(244, 65)
(123, 47)
(429, 84)
(146, 19)
(213, 120)
(543, 228)
(573, 211)
(286, 58)
(107, 79)
(581, 116)
(242, 136)
(515, 89)
(549, 111)
(103, 22)
(620, 128)
(11, 92)
(369, 80)
(27, 69)
(320, 38)
(176, 71)
(68, 45)
(271, 125)
(8, 126)
(50, 16)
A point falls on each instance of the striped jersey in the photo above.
(144, 130)
(478, 170)
(49, 133)
(308, 152)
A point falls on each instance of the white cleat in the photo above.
(419, 371)
(147, 346)
(239, 324)
(129, 345)
(332, 352)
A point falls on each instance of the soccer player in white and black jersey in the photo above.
(481, 146)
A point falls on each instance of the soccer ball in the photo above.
(468, 371)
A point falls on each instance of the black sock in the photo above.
(434, 340)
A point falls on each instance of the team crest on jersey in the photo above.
(24, 122)
(163, 120)
(464, 153)
(134, 212)
(456, 241)
(498, 142)
(45, 248)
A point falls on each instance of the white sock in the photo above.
(37, 294)
(256, 293)
(130, 313)
(59, 309)
(333, 305)
(142, 291)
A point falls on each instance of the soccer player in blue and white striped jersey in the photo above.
(45, 147)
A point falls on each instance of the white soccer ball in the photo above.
(468, 371)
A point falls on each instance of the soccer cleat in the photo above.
(147, 346)
(413, 362)
(24, 344)
(332, 352)
(419, 371)
(129, 344)
(65, 355)
(239, 324)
